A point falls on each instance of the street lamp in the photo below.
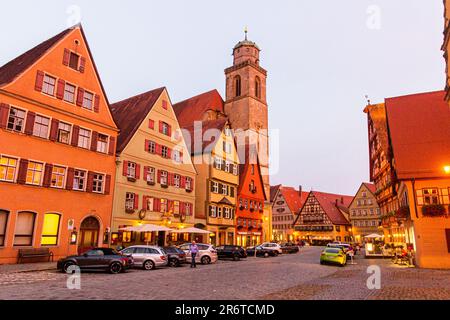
(447, 169)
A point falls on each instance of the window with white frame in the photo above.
(188, 183)
(176, 180)
(235, 170)
(218, 163)
(24, 230)
(41, 125)
(131, 169)
(219, 212)
(48, 86)
(224, 189)
(149, 204)
(226, 213)
(102, 143)
(164, 178)
(177, 156)
(215, 186)
(129, 201)
(8, 167)
(64, 132)
(227, 166)
(88, 100)
(164, 151)
(150, 175)
(430, 196)
(187, 209)
(213, 211)
(227, 147)
(69, 93)
(98, 183)
(35, 172)
(16, 119)
(79, 180)
(84, 138)
(151, 147)
(58, 176)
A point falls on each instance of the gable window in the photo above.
(129, 201)
(41, 125)
(227, 166)
(64, 132)
(102, 143)
(69, 93)
(131, 169)
(50, 229)
(23, 234)
(7, 168)
(98, 182)
(3, 221)
(84, 137)
(79, 180)
(164, 152)
(74, 60)
(49, 85)
(34, 173)
(218, 163)
(16, 119)
(58, 175)
(88, 100)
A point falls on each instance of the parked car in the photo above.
(98, 259)
(231, 252)
(344, 246)
(147, 257)
(261, 252)
(206, 253)
(272, 246)
(176, 256)
(333, 256)
(289, 247)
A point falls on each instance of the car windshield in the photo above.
(333, 251)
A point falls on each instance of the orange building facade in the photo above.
(57, 150)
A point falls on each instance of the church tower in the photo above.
(246, 104)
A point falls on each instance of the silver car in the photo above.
(206, 253)
(147, 257)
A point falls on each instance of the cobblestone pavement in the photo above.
(298, 276)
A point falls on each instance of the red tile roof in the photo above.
(370, 186)
(419, 127)
(16, 67)
(129, 114)
(293, 199)
(273, 192)
(191, 132)
(328, 203)
(193, 109)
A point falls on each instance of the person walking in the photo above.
(193, 249)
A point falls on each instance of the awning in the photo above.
(191, 230)
(374, 236)
(146, 228)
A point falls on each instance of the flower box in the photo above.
(433, 210)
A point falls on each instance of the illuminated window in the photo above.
(7, 168)
(16, 119)
(23, 234)
(3, 221)
(34, 173)
(58, 175)
(176, 207)
(163, 205)
(50, 230)
(430, 196)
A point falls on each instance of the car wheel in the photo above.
(206, 260)
(266, 254)
(149, 265)
(275, 253)
(236, 257)
(115, 268)
(174, 263)
(321, 262)
(67, 265)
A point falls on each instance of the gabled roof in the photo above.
(194, 108)
(129, 114)
(370, 186)
(244, 167)
(273, 192)
(193, 131)
(293, 199)
(16, 67)
(332, 204)
(419, 126)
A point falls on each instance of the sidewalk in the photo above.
(27, 267)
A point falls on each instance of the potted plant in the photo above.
(433, 210)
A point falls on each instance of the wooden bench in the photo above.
(35, 253)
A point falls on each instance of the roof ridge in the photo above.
(414, 94)
(198, 95)
(139, 95)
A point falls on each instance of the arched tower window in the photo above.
(257, 87)
(237, 84)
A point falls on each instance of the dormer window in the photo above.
(74, 60)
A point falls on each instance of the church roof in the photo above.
(246, 43)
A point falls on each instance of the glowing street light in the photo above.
(447, 169)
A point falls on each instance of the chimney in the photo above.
(342, 200)
(337, 201)
(300, 192)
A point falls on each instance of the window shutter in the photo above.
(70, 176)
(60, 89)
(160, 126)
(80, 97)
(47, 175)
(183, 182)
(157, 205)
(90, 181)
(112, 145)
(107, 184)
(144, 202)
(157, 148)
(138, 171)
(94, 141)
(4, 113)
(169, 153)
(30, 123)
(151, 124)
(82, 66)
(66, 57)
(125, 168)
(136, 201)
(147, 145)
(220, 188)
(192, 184)
(75, 133)
(232, 192)
(169, 133)
(182, 207)
(54, 130)
(159, 176)
(22, 175)
(96, 103)
(39, 81)
(212, 186)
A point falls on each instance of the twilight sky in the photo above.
(322, 56)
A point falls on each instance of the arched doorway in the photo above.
(89, 231)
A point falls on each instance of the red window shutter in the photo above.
(169, 133)
(54, 130)
(151, 124)
(160, 126)
(159, 176)
(147, 145)
(144, 202)
(97, 103)
(22, 175)
(4, 113)
(47, 175)
(136, 201)
(39, 81)
(66, 57)
(107, 184)
(125, 168)
(80, 97)
(30, 122)
(138, 171)
(94, 141)
(164, 104)
(70, 176)
(169, 153)
(112, 146)
(158, 149)
(156, 204)
(82, 66)
(145, 172)
(75, 133)
(183, 182)
(90, 181)
(60, 89)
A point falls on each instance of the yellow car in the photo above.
(333, 256)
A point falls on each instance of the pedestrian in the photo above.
(193, 249)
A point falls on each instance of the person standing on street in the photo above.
(193, 249)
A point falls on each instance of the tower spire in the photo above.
(246, 31)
